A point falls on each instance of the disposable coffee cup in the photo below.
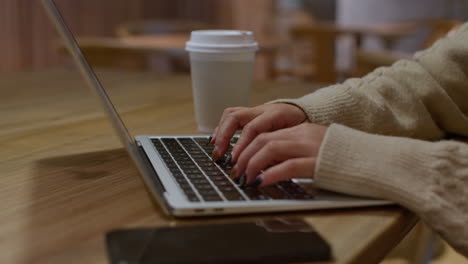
(221, 65)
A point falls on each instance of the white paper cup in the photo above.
(221, 63)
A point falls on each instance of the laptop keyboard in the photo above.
(201, 179)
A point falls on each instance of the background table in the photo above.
(66, 181)
(107, 50)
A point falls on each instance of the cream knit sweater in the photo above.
(386, 131)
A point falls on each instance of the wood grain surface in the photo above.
(66, 181)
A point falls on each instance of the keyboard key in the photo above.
(214, 172)
(227, 189)
(212, 198)
(181, 180)
(195, 176)
(290, 187)
(203, 187)
(217, 178)
(222, 183)
(205, 163)
(199, 156)
(193, 198)
(275, 192)
(234, 196)
(189, 168)
(185, 186)
(211, 167)
(209, 195)
(207, 192)
(201, 141)
(177, 174)
(303, 196)
(201, 182)
(254, 193)
(295, 191)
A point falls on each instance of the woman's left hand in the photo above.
(281, 155)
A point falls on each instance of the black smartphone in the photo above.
(272, 241)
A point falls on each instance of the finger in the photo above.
(231, 123)
(241, 153)
(257, 144)
(213, 136)
(272, 153)
(226, 112)
(261, 124)
(292, 168)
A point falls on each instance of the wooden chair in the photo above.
(322, 39)
(367, 61)
(288, 54)
(314, 51)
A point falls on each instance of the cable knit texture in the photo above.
(386, 136)
(431, 179)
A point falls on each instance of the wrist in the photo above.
(296, 111)
(333, 104)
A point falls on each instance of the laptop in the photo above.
(181, 176)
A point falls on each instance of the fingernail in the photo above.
(209, 140)
(236, 180)
(234, 172)
(242, 180)
(256, 182)
(233, 153)
(215, 154)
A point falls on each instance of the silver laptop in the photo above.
(178, 170)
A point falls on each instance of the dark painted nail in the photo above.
(231, 161)
(242, 180)
(234, 172)
(221, 160)
(236, 180)
(209, 140)
(256, 182)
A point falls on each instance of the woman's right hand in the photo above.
(253, 121)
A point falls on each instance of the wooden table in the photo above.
(106, 50)
(110, 51)
(66, 181)
(163, 43)
(173, 42)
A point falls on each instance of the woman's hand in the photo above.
(281, 155)
(253, 121)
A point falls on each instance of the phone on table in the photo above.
(267, 241)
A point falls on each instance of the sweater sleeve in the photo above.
(429, 178)
(425, 98)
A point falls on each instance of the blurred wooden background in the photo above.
(28, 40)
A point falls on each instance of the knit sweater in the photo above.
(387, 136)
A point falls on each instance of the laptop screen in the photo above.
(95, 85)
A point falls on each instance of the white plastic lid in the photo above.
(217, 41)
